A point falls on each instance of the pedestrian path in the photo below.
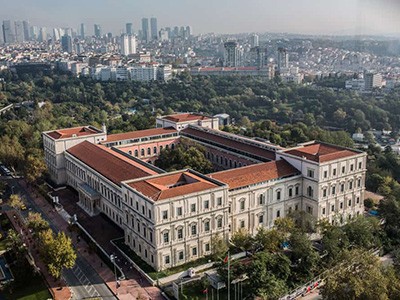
(129, 289)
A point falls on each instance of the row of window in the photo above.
(341, 205)
(155, 149)
(193, 230)
(192, 208)
(334, 171)
(342, 187)
(229, 163)
(181, 257)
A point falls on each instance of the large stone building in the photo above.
(169, 218)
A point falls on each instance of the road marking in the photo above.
(85, 282)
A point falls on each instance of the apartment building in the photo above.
(169, 218)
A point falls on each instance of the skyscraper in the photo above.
(129, 28)
(97, 30)
(34, 33)
(232, 55)
(83, 31)
(19, 31)
(8, 33)
(128, 44)
(27, 35)
(42, 34)
(283, 59)
(154, 29)
(145, 30)
(254, 41)
(66, 43)
(189, 31)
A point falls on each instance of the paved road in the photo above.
(82, 279)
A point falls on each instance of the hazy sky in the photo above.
(220, 16)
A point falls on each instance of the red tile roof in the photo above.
(112, 165)
(320, 152)
(227, 142)
(185, 117)
(253, 174)
(72, 132)
(172, 185)
(138, 134)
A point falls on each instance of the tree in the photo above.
(363, 232)
(361, 277)
(14, 242)
(36, 222)
(269, 240)
(303, 256)
(57, 252)
(267, 274)
(34, 168)
(242, 240)
(219, 247)
(334, 241)
(16, 202)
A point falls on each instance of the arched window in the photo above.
(136, 153)
(142, 152)
(154, 150)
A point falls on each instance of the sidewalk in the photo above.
(58, 289)
(129, 289)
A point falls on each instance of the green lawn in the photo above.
(35, 289)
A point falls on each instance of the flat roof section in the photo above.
(138, 134)
(72, 132)
(253, 174)
(172, 185)
(321, 152)
(185, 117)
(110, 164)
(233, 145)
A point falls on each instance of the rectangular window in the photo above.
(167, 260)
(137, 206)
(296, 190)
(358, 200)
(219, 201)
(296, 207)
(290, 192)
(180, 234)
(350, 185)
(333, 190)
(193, 207)
(325, 174)
(207, 247)
(151, 236)
(278, 213)
(194, 229)
(207, 226)
(149, 214)
(194, 251)
(166, 237)
(180, 255)
(241, 223)
(341, 205)
(359, 182)
(351, 167)
(360, 165)
(310, 173)
(349, 202)
(333, 208)
(342, 187)
(206, 204)
(278, 195)
(334, 172)
(343, 169)
(324, 193)
(179, 211)
(242, 205)
(323, 210)
(219, 223)
(260, 219)
(165, 214)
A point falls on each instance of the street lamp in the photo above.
(112, 258)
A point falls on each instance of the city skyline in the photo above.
(351, 17)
